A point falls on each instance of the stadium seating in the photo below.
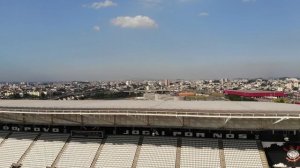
(79, 153)
(158, 152)
(241, 153)
(121, 151)
(118, 151)
(14, 147)
(202, 153)
(44, 151)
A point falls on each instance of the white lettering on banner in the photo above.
(155, 133)
(217, 135)
(176, 133)
(146, 132)
(36, 129)
(200, 135)
(15, 128)
(135, 132)
(229, 136)
(56, 130)
(126, 132)
(243, 136)
(46, 129)
(5, 128)
(27, 128)
(188, 134)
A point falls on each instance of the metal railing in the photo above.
(143, 112)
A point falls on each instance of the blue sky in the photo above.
(42, 40)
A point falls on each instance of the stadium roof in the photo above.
(228, 106)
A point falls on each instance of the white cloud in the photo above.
(96, 28)
(134, 22)
(102, 4)
(203, 14)
(248, 1)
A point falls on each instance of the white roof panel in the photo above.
(155, 105)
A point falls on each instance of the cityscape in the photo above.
(190, 90)
(149, 84)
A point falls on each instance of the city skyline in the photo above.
(148, 39)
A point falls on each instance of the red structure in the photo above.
(184, 94)
(255, 93)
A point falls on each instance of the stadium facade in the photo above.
(266, 123)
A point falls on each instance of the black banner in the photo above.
(176, 132)
(87, 134)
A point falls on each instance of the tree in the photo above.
(281, 100)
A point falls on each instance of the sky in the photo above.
(64, 40)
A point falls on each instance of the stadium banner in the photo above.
(282, 154)
(87, 134)
(99, 132)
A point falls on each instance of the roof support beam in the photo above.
(227, 119)
(181, 120)
(281, 119)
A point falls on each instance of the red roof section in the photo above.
(255, 93)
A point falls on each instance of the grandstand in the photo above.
(240, 153)
(78, 153)
(199, 153)
(57, 150)
(13, 148)
(118, 151)
(44, 151)
(157, 152)
(146, 134)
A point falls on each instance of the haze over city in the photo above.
(148, 39)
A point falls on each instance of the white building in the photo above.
(34, 93)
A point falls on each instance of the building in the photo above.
(184, 94)
(255, 93)
(139, 134)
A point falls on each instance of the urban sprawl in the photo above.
(154, 90)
